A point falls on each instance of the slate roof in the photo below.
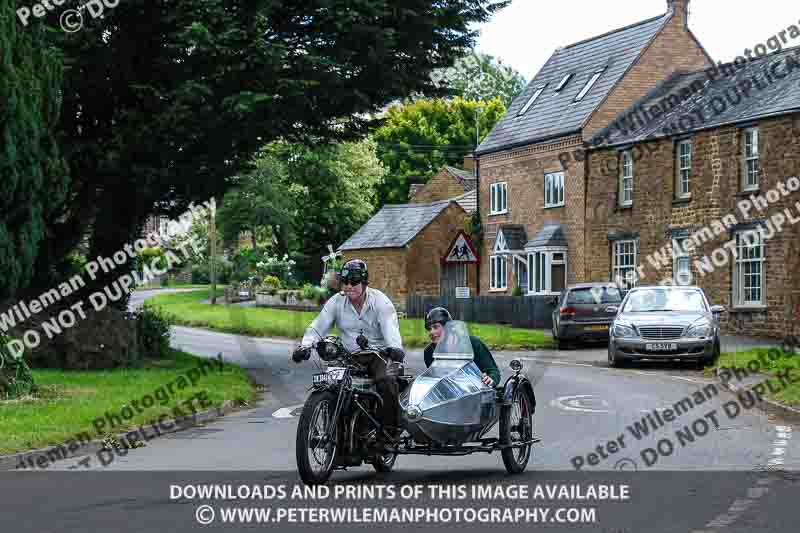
(554, 114)
(468, 200)
(550, 235)
(394, 226)
(515, 236)
(685, 97)
(464, 177)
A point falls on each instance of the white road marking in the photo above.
(577, 403)
(286, 412)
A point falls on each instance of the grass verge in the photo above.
(68, 402)
(188, 309)
(769, 365)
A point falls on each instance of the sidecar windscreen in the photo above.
(444, 382)
(455, 342)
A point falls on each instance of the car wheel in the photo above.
(562, 344)
(709, 361)
(613, 360)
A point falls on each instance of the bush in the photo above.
(270, 285)
(15, 376)
(517, 291)
(309, 292)
(200, 276)
(165, 281)
(152, 333)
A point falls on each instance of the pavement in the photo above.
(605, 421)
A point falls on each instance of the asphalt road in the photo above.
(752, 459)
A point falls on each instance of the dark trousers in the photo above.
(388, 389)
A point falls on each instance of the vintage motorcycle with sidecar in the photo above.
(445, 410)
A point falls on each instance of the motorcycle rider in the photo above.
(361, 310)
(434, 323)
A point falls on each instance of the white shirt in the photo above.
(377, 321)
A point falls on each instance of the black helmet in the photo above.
(438, 315)
(354, 271)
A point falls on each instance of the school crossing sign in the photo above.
(461, 250)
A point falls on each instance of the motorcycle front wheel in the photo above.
(516, 425)
(315, 452)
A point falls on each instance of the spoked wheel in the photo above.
(315, 451)
(516, 425)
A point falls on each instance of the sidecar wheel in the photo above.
(516, 425)
(315, 458)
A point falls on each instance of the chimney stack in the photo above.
(680, 10)
(469, 164)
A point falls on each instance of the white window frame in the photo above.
(626, 178)
(683, 176)
(619, 248)
(589, 84)
(564, 82)
(554, 189)
(499, 198)
(521, 265)
(742, 281)
(540, 270)
(498, 278)
(751, 159)
(679, 256)
(532, 100)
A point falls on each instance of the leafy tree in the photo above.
(163, 103)
(33, 176)
(305, 198)
(420, 137)
(478, 76)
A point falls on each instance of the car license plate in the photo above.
(331, 376)
(597, 328)
(661, 346)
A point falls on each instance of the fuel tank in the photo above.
(449, 404)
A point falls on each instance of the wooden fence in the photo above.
(518, 311)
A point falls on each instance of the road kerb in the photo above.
(771, 407)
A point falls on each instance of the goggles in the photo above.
(351, 277)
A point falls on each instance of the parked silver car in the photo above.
(584, 312)
(665, 322)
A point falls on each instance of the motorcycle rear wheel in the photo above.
(315, 458)
(516, 425)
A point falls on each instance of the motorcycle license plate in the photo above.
(661, 346)
(331, 376)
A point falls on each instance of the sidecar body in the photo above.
(448, 404)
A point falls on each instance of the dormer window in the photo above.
(564, 82)
(590, 84)
(536, 94)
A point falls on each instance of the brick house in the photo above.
(670, 189)
(407, 249)
(532, 199)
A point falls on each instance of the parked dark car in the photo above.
(584, 312)
(665, 322)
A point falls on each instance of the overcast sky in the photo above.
(526, 33)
